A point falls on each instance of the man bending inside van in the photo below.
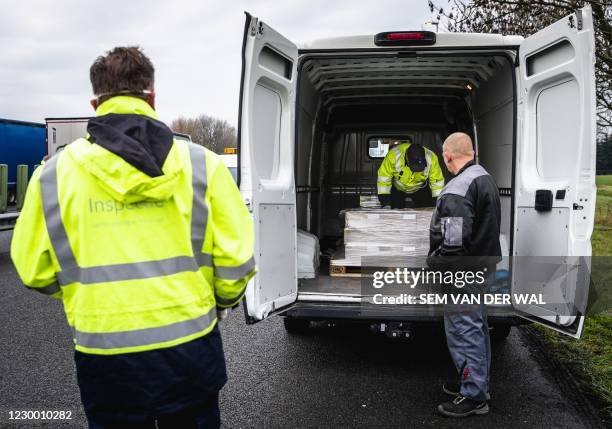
(406, 171)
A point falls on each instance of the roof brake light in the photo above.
(405, 38)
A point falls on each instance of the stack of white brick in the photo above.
(385, 232)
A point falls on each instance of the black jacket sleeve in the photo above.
(451, 230)
(385, 199)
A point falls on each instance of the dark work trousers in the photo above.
(161, 386)
(204, 417)
(467, 337)
(421, 198)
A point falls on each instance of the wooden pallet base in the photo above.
(344, 271)
(337, 270)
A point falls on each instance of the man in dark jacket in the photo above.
(464, 237)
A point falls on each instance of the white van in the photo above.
(312, 120)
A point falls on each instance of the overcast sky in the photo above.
(48, 46)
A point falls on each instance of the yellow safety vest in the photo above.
(140, 262)
(394, 171)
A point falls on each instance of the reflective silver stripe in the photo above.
(453, 231)
(199, 211)
(428, 160)
(235, 273)
(384, 189)
(46, 290)
(72, 272)
(439, 184)
(52, 213)
(436, 192)
(398, 159)
(204, 259)
(147, 336)
(408, 189)
(129, 271)
(460, 184)
(384, 179)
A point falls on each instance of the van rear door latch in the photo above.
(578, 207)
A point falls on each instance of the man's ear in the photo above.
(151, 99)
(94, 103)
(447, 158)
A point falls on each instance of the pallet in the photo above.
(344, 271)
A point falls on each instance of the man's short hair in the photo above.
(122, 71)
(459, 144)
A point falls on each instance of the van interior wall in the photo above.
(493, 110)
(332, 164)
(308, 172)
(351, 172)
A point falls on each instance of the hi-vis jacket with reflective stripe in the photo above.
(394, 170)
(140, 262)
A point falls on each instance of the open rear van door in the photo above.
(555, 173)
(266, 156)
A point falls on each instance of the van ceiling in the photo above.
(377, 79)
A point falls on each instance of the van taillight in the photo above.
(405, 38)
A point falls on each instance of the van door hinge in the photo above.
(257, 28)
(579, 19)
(247, 203)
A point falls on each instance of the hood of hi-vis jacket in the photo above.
(129, 152)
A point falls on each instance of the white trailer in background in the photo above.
(61, 131)
(230, 159)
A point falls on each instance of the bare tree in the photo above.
(525, 17)
(212, 133)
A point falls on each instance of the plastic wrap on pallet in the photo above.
(371, 232)
(352, 256)
(369, 201)
(388, 219)
(308, 254)
(382, 236)
(358, 250)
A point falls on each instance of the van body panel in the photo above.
(443, 40)
(266, 147)
(556, 157)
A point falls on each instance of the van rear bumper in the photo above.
(357, 313)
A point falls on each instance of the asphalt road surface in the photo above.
(339, 377)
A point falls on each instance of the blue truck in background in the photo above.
(21, 143)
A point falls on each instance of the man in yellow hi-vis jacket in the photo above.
(146, 240)
(406, 171)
